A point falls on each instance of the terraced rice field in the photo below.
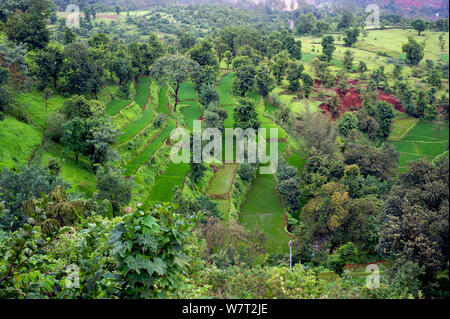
(262, 209)
(115, 106)
(422, 141)
(191, 111)
(224, 90)
(134, 128)
(142, 91)
(141, 158)
(222, 181)
(163, 101)
(174, 175)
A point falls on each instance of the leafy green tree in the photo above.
(19, 186)
(351, 36)
(419, 25)
(228, 57)
(305, 23)
(208, 94)
(149, 248)
(346, 20)
(379, 162)
(244, 80)
(174, 68)
(49, 62)
(308, 84)
(289, 185)
(294, 76)
(245, 115)
(28, 28)
(264, 81)
(385, 114)
(348, 60)
(69, 36)
(414, 223)
(204, 54)
(114, 187)
(345, 254)
(76, 132)
(280, 66)
(435, 79)
(362, 67)
(328, 47)
(414, 50)
(5, 96)
(347, 122)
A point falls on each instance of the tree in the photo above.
(28, 28)
(208, 94)
(102, 137)
(415, 217)
(228, 57)
(419, 25)
(245, 115)
(362, 67)
(347, 122)
(204, 54)
(308, 83)
(81, 73)
(114, 187)
(351, 36)
(385, 114)
(265, 82)
(19, 186)
(346, 20)
(5, 96)
(69, 36)
(305, 23)
(175, 68)
(75, 136)
(348, 60)
(414, 50)
(328, 47)
(244, 80)
(50, 62)
(289, 185)
(435, 79)
(294, 76)
(47, 94)
(280, 66)
(379, 162)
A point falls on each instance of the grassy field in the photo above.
(221, 182)
(224, 90)
(174, 175)
(186, 92)
(135, 127)
(141, 158)
(262, 209)
(18, 142)
(115, 106)
(423, 140)
(33, 105)
(163, 102)
(191, 111)
(142, 91)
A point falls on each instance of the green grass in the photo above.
(115, 106)
(18, 141)
(33, 105)
(78, 174)
(135, 127)
(163, 102)
(186, 91)
(421, 141)
(191, 111)
(400, 127)
(141, 158)
(224, 207)
(174, 175)
(142, 91)
(222, 180)
(262, 209)
(297, 160)
(224, 90)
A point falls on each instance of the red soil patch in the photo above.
(108, 16)
(382, 96)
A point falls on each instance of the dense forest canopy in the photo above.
(89, 108)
